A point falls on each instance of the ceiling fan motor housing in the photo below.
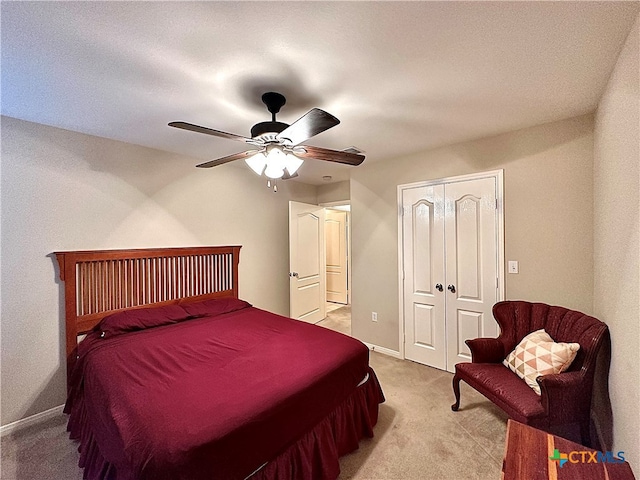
(267, 127)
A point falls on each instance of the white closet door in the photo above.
(450, 245)
(471, 264)
(423, 267)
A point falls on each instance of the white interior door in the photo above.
(336, 251)
(471, 264)
(306, 262)
(424, 275)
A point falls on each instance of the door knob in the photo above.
(294, 274)
(439, 287)
(452, 288)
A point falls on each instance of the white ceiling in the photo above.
(401, 76)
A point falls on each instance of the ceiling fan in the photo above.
(276, 148)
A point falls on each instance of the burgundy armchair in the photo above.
(565, 399)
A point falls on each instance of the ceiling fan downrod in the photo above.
(274, 102)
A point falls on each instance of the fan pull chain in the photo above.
(275, 185)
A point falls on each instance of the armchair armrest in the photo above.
(565, 396)
(486, 350)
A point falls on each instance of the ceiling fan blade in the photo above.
(306, 151)
(210, 131)
(312, 123)
(286, 175)
(227, 159)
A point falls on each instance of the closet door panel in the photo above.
(471, 264)
(423, 267)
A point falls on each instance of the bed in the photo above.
(178, 378)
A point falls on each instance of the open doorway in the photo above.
(338, 267)
(320, 275)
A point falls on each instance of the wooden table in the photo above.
(527, 451)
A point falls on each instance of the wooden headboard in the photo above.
(98, 283)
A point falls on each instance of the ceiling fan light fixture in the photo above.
(272, 171)
(257, 162)
(292, 163)
(275, 162)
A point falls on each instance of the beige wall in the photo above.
(548, 178)
(64, 191)
(616, 245)
(333, 192)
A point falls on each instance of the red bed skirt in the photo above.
(312, 457)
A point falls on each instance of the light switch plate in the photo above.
(513, 266)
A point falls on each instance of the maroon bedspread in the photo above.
(212, 397)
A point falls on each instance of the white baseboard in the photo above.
(386, 351)
(32, 420)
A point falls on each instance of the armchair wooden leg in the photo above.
(456, 392)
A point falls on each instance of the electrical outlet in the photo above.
(374, 316)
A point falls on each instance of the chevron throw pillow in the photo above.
(537, 354)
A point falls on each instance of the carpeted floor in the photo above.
(417, 436)
(338, 320)
(40, 452)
